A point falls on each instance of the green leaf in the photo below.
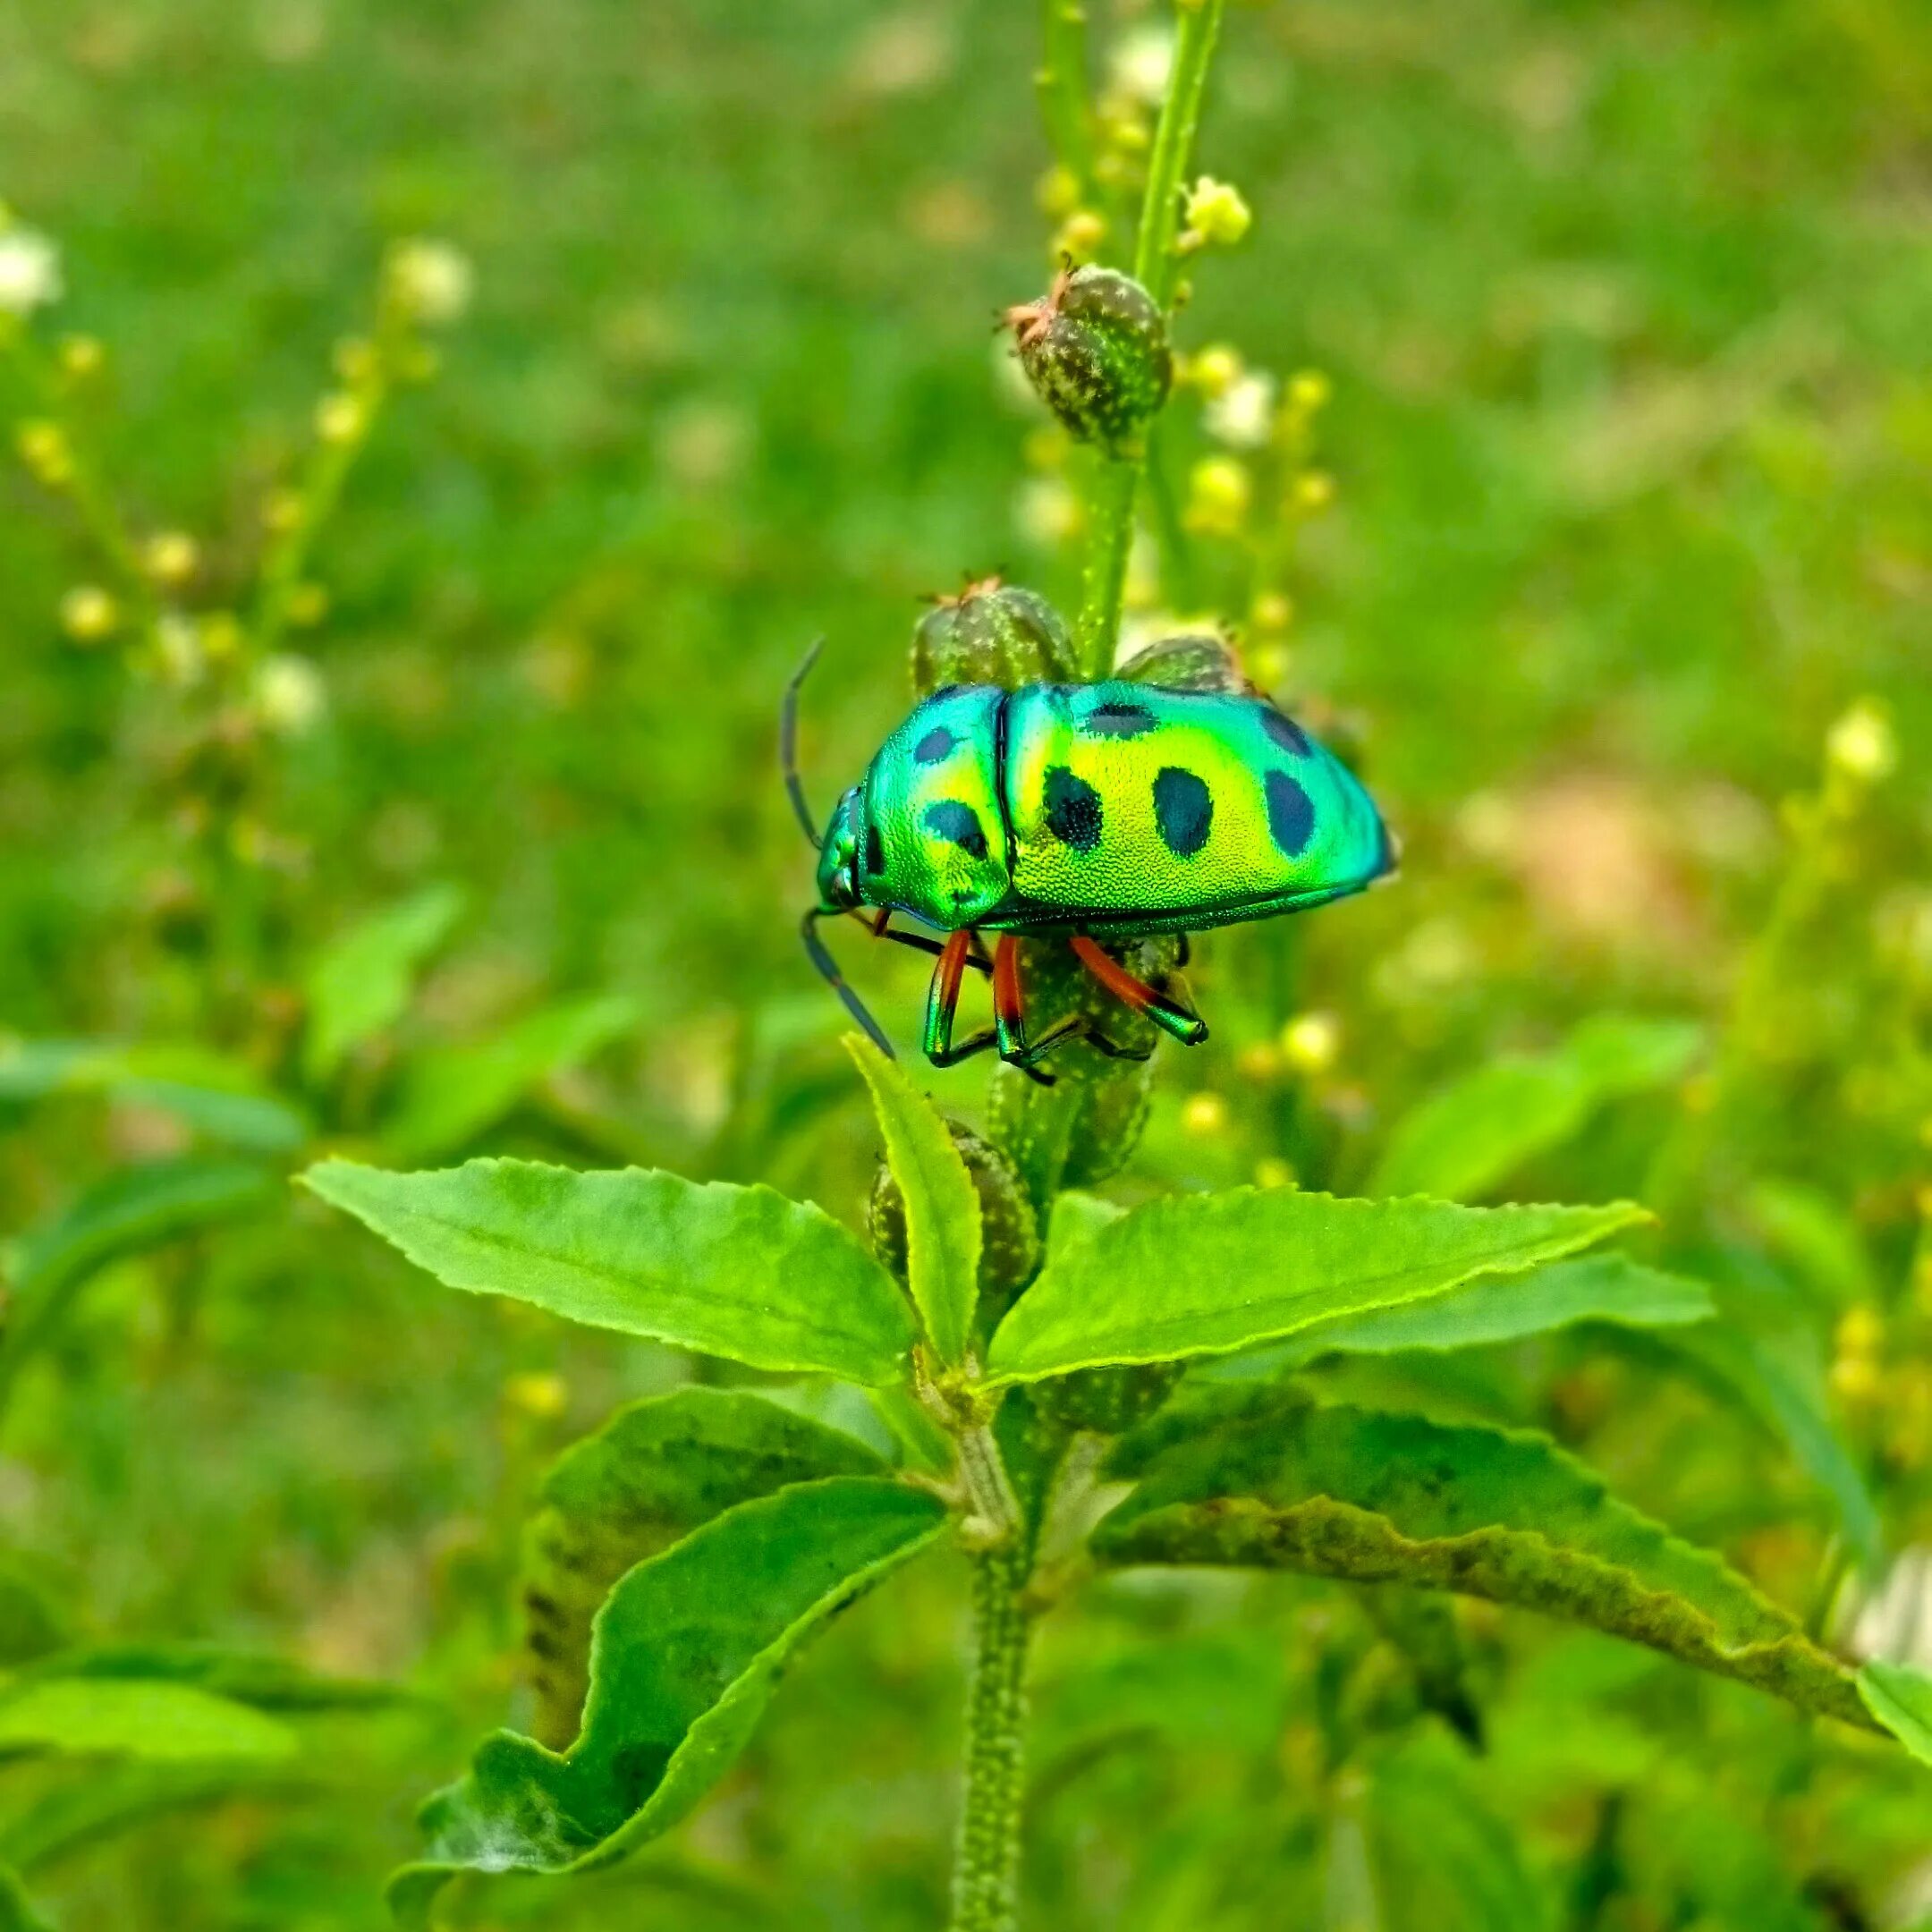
(684, 1657)
(942, 1206)
(653, 1473)
(451, 1094)
(16, 1910)
(126, 1212)
(1259, 1475)
(264, 1683)
(32, 1621)
(215, 1095)
(135, 1718)
(1789, 1404)
(734, 1271)
(1470, 1137)
(1599, 1288)
(1207, 1274)
(1901, 1699)
(362, 985)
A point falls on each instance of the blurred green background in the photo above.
(1626, 308)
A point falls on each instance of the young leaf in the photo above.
(451, 1094)
(1470, 1137)
(942, 1206)
(734, 1271)
(683, 1659)
(1207, 1274)
(1901, 1699)
(128, 1717)
(1265, 1476)
(1599, 1288)
(653, 1473)
(362, 983)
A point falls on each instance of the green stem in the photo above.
(1157, 263)
(985, 1873)
(1062, 83)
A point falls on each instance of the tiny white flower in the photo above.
(1142, 64)
(1242, 416)
(30, 271)
(435, 280)
(289, 695)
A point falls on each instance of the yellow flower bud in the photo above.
(221, 637)
(1311, 492)
(541, 1397)
(282, 511)
(1271, 610)
(1260, 1060)
(1079, 235)
(171, 558)
(1859, 1331)
(80, 356)
(1204, 1113)
(354, 359)
(44, 448)
(1311, 1042)
(1058, 192)
(1213, 371)
(1861, 745)
(1217, 212)
(88, 614)
(306, 604)
(1273, 1172)
(341, 418)
(1220, 490)
(1307, 391)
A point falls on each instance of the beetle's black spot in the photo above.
(935, 746)
(1284, 730)
(1117, 719)
(1290, 813)
(959, 824)
(1183, 811)
(1073, 809)
(875, 851)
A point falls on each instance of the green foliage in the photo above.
(942, 1206)
(208, 1091)
(1266, 1476)
(731, 1271)
(1901, 1699)
(1154, 1286)
(653, 1473)
(362, 984)
(1466, 1141)
(136, 1717)
(683, 1659)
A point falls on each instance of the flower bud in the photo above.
(1216, 212)
(88, 614)
(1009, 1238)
(1095, 349)
(992, 633)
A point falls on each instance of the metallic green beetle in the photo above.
(1167, 800)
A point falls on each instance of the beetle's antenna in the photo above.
(815, 951)
(788, 759)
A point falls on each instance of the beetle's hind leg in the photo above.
(1180, 1023)
(1009, 1015)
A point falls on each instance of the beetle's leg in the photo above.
(942, 1001)
(815, 950)
(880, 929)
(1169, 1015)
(1101, 1044)
(1009, 1015)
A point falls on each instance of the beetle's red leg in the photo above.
(1009, 1013)
(942, 1001)
(1169, 1015)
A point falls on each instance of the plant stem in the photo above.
(986, 1872)
(1157, 263)
(1062, 83)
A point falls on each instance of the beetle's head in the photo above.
(838, 855)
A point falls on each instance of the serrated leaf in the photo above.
(685, 1654)
(653, 1473)
(1470, 1137)
(1208, 1274)
(215, 1095)
(362, 984)
(126, 1212)
(135, 1718)
(451, 1094)
(1593, 1288)
(942, 1206)
(1901, 1699)
(740, 1271)
(1264, 1475)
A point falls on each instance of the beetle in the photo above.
(1167, 798)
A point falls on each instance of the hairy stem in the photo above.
(1062, 83)
(1156, 264)
(985, 1873)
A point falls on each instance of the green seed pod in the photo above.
(1095, 349)
(992, 633)
(1009, 1238)
(1109, 1402)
